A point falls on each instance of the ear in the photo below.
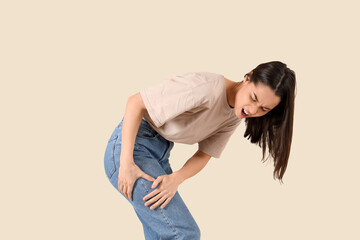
(246, 79)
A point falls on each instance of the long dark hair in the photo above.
(275, 128)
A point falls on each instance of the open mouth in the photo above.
(244, 113)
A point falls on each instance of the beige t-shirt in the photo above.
(192, 108)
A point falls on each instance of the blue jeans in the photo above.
(151, 154)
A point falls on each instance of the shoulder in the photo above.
(211, 76)
(207, 80)
(201, 82)
(213, 81)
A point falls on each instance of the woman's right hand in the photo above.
(129, 172)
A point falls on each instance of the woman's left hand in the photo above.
(164, 192)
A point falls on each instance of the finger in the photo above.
(125, 190)
(166, 202)
(157, 181)
(154, 199)
(150, 195)
(121, 188)
(161, 200)
(129, 191)
(148, 177)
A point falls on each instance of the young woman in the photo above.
(195, 107)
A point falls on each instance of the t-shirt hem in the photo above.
(214, 155)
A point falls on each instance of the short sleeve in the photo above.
(215, 144)
(175, 95)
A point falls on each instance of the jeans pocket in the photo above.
(109, 158)
(141, 150)
(146, 133)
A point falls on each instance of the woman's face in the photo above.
(255, 100)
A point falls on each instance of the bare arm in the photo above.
(129, 171)
(194, 165)
(134, 112)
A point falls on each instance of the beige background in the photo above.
(68, 67)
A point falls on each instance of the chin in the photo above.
(238, 113)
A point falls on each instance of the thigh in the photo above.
(149, 147)
(151, 155)
(172, 222)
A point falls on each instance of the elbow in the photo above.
(137, 101)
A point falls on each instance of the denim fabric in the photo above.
(151, 154)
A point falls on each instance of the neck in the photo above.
(231, 89)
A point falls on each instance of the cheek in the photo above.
(240, 101)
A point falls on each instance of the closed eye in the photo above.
(254, 100)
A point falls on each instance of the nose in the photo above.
(253, 110)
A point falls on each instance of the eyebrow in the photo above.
(258, 100)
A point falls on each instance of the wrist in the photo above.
(124, 158)
(126, 162)
(179, 176)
